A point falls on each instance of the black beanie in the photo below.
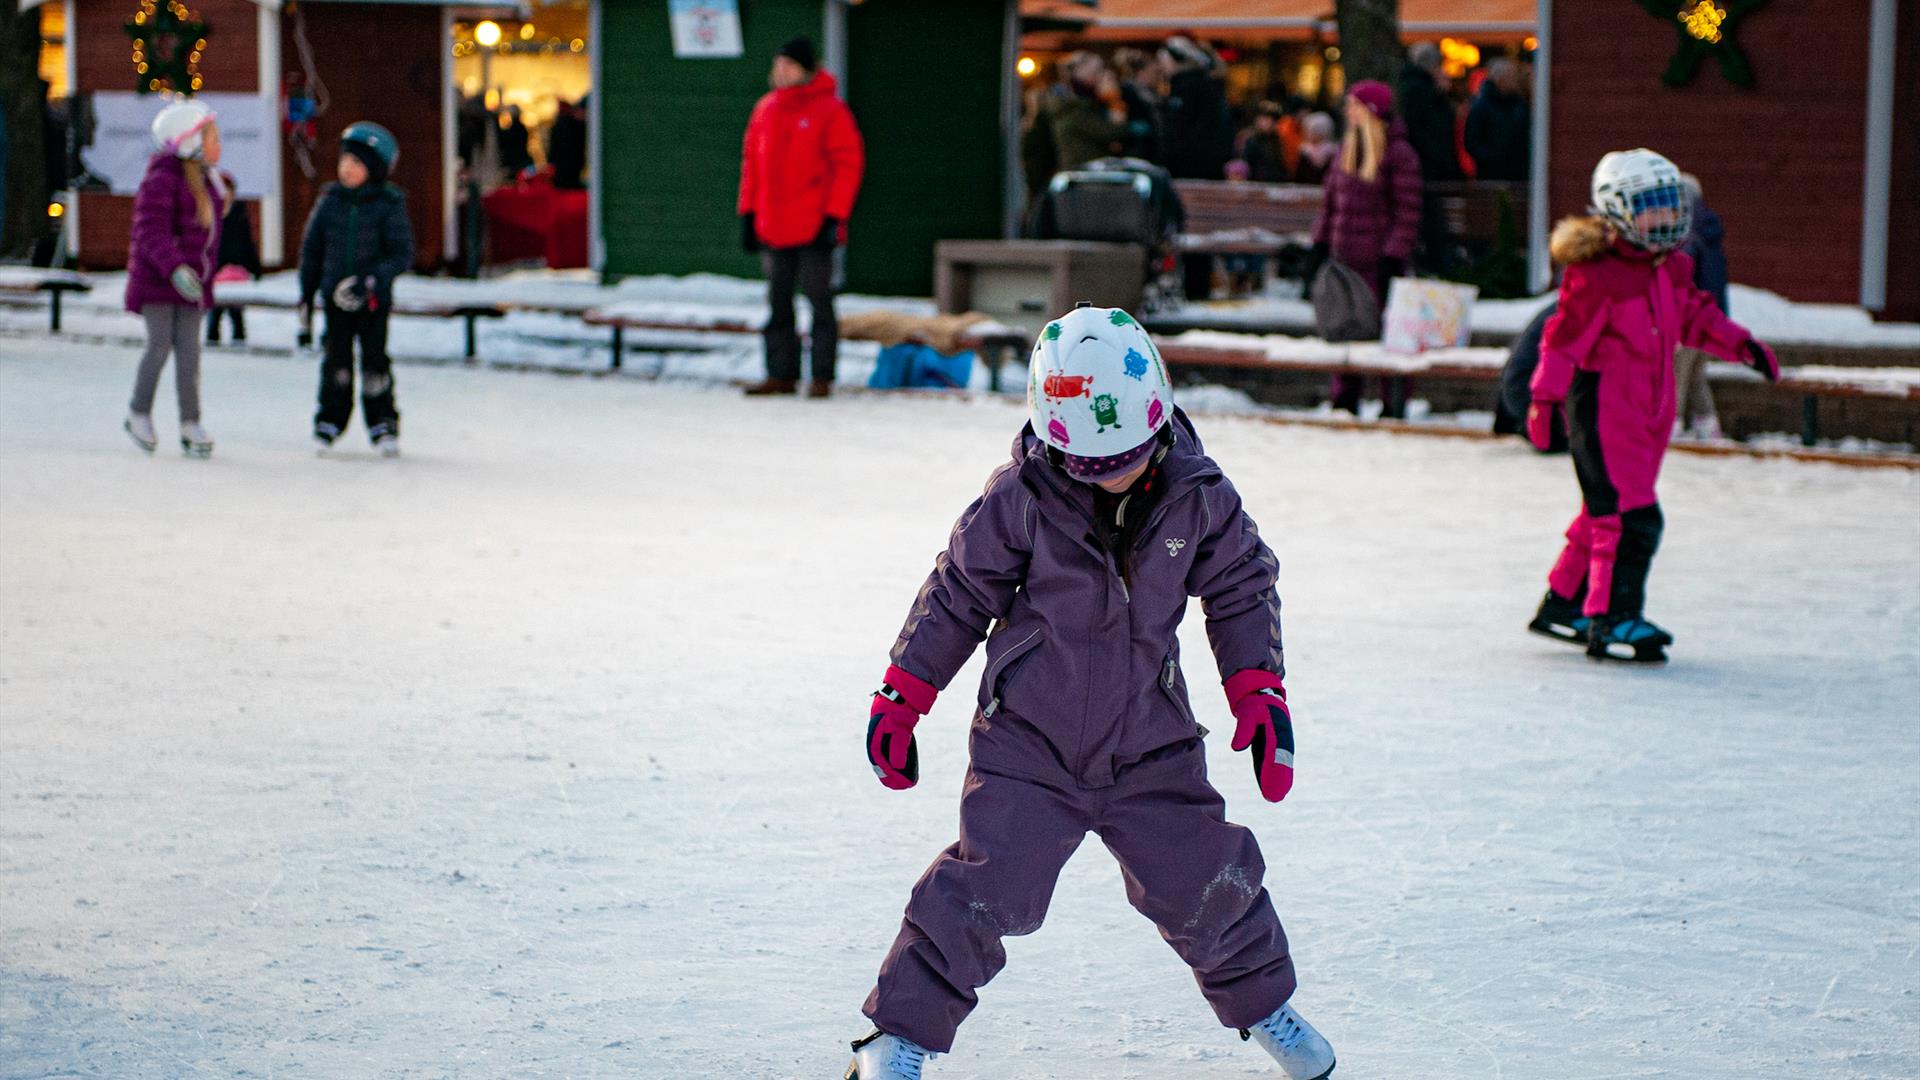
(376, 165)
(800, 51)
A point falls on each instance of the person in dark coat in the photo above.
(1500, 126)
(358, 240)
(1318, 148)
(1140, 91)
(239, 261)
(1083, 118)
(515, 157)
(1428, 112)
(1261, 148)
(1695, 408)
(1199, 130)
(567, 145)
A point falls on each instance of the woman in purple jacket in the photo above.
(1075, 566)
(1370, 216)
(171, 260)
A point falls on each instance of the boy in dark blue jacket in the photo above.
(357, 241)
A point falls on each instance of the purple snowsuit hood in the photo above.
(167, 233)
(1083, 663)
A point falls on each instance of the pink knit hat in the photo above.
(1375, 95)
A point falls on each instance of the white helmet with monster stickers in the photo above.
(1098, 391)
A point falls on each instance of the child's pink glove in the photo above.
(1761, 359)
(1259, 704)
(898, 705)
(1540, 424)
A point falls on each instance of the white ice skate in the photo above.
(139, 428)
(880, 1056)
(388, 445)
(1303, 1053)
(194, 440)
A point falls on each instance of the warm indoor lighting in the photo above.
(487, 33)
(1027, 66)
(1531, 43)
(55, 210)
(526, 31)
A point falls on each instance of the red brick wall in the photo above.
(380, 62)
(1781, 162)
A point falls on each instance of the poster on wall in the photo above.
(706, 29)
(123, 140)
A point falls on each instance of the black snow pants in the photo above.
(382, 415)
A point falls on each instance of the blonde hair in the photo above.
(1365, 144)
(197, 183)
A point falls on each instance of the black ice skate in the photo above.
(1629, 638)
(1560, 619)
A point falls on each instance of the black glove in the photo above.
(1316, 258)
(1762, 360)
(1391, 268)
(829, 237)
(749, 239)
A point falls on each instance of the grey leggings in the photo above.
(171, 328)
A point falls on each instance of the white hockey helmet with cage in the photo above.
(1630, 183)
(176, 130)
(1098, 391)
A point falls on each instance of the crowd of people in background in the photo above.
(1171, 107)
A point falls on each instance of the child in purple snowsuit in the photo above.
(1075, 565)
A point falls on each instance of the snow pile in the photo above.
(1283, 348)
(537, 752)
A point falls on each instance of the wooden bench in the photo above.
(1226, 217)
(992, 342)
(469, 314)
(30, 281)
(1471, 211)
(1487, 364)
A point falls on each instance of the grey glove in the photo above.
(187, 283)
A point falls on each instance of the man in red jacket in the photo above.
(800, 169)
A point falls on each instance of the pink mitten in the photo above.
(1259, 704)
(1540, 424)
(898, 705)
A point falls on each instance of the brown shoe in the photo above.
(820, 388)
(769, 387)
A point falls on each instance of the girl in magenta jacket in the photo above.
(172, 255)
(1627, 299)
(1075, 566)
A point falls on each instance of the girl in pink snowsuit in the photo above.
(1627, 299)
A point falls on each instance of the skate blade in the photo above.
(1632, 654)
(198, 453)
(1559, 632)
(144, 445)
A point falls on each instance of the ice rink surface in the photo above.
(537, 753)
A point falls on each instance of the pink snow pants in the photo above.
(1618, 427)
(1196, 875)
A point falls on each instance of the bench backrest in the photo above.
(1222, 205)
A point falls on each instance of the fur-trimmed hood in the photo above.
(1579, 240)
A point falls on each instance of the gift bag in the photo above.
(1423, 314)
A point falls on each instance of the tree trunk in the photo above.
(23, 98)
(1369, 39)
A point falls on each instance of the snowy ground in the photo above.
(536, 753)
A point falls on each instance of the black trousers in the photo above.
(237, 314)
(369, 329)
(811, 270)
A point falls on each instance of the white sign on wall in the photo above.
(123, 139)
(706, 28)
